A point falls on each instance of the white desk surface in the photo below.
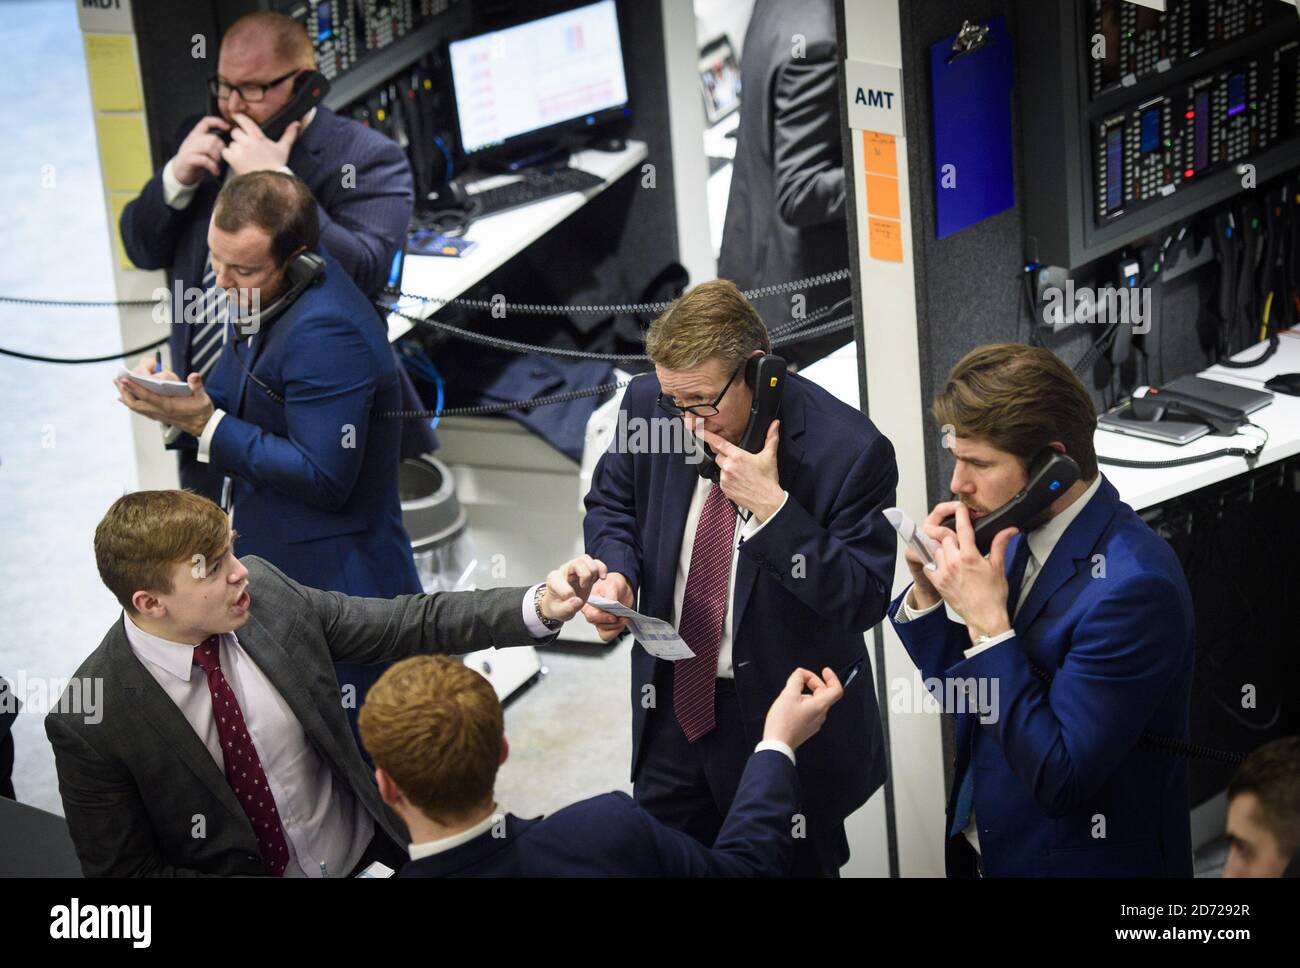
(502, 236)
(1144, 487)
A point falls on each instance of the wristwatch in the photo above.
(552, 624)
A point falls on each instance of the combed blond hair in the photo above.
(712, 321)
(144, 535)
(435, 727)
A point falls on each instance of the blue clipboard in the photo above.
(970, 96)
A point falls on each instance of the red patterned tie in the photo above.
(243, 767)
(703, 606)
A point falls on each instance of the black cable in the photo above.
(1269, 350)
(124, 355)
(1154, 742)
(534, 309)
(493, 408)
(1196, 459)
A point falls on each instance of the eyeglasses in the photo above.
(251, 92)
(698, 409)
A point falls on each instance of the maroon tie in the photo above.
(243, 767)
(703, 606)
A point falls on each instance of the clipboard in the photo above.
(971, 77)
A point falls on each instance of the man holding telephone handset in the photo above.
(360, 179)
(293, 411)
(782, 563)
(1077, 637)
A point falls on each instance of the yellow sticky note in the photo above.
(879, 153)
(882, 196)
(123, 151)
(114, 81)
(886, 239)
(116, 202)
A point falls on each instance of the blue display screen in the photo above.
(1236, 94)
(1150, 130)
(1114, 170)
(1201, 151)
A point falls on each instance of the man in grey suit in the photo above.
(785, 214)
(216, 753)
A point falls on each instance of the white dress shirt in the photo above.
(744, 530)
(321, 819)
(1041, 542)
(443, 844)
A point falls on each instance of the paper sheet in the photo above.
(168, 388)
(655, 635)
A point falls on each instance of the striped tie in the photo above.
(704, 605)
(207, 336)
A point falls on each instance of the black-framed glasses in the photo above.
(698, 409)
(251, 92)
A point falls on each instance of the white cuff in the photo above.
(535, 624)
(906, 613)
(170, 433)
(975, 650)
(175, 194)
(205, 438)
(752, 527)
(775, 744)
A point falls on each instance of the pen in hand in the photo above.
(157, 361)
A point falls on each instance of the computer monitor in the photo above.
(538, 79)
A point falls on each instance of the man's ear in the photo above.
(147, 603)
(505, 750)
(388, 791)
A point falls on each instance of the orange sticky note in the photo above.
(886, 239)
(879, 153)
(882, 196)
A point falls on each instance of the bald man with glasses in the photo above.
(360, 179)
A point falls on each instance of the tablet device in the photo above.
(1176, 432)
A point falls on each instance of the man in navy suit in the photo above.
(785, 562)
(434, 730)
(293, 413)
(360, 179)
(1071, 639)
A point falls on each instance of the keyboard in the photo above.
(533, 187)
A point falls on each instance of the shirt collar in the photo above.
(175, 658)
(1043, 540)
(431, 847)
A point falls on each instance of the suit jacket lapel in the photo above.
(789, 460)
(263, 645)
(1075, 546)
(144, 694)
(304, 156)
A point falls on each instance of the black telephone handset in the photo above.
(1154, 403)
(766, 378)
(305, 269)
(1051, 474)
(309, 89)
